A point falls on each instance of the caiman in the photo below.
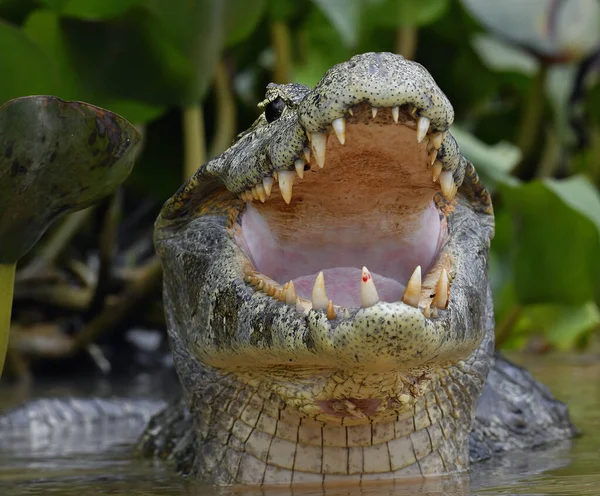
(327, 297)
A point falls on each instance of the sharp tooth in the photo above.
(286, 182)
(447, 183)
(437, 170)
(306, 151)
(412, 294)
(290, 294)
(319, 147)
(339, 127)
(422, 128)
(368, 292)
(271, 290)
(275, 175)
(299, 165)
(351, 112)
(436, 139)
(319, 296)
(432, 156)
(309, 136)
(440, 299)
(374, 112)
(268, 185)
(254, 193)
(396, 113)
(260, 190)
(330, 311)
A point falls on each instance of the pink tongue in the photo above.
(343, 286)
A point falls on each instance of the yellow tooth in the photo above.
(286, 183)
(260, 191)
(319, 296)
(306, 152)
(309, 136)
(442, 287)
(368, 292)
(319, 147)
(261, 284)
(339, 127)
(412, 294)
(447, 183)
(432, 156)
(374, 112)
(299, 165)
(437, 170)
(396, 113)
(271, 290)
(268, 185)
(290, 294)
(330, 311)
(422, 128)
(275, 175)
(436, 139)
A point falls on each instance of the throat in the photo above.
(258, 440)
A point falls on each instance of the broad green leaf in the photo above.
(344, 16)
(493, 162)
(91, 10)
(556, 240)
(24, 67)
(241, 19)
(56, 157)
(500, 56)
(395, 13)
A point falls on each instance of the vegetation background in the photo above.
(523, 78)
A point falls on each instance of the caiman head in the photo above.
(333, 261)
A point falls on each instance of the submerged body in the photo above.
(327, 298)
(299, 364)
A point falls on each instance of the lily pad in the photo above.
(56, 157)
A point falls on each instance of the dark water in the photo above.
(102, 464)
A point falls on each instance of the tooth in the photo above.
(396, 113)
(290, 294)
(440, 299)
(330, 311)
(436, 139)
(319, 296)
(309, 136)
(275, 175)
(319, 147)
(306, 151)
(254, 193)
(268, 185)
(412, 294)
(447, 183)
(271, 290)
(433, 156)
(260, 285)
(260, 190)
(339, 127)
(422, 128)
(351, 112)
(286, 182)
(374, 112)
(299, 165)
(437, 170)
(368, 292)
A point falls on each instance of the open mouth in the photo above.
(365, 194)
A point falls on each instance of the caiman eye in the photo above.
(274, 109)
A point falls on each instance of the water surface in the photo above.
(102, 463)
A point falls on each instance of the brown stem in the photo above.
(406, 41)
(226, 117)
(282, 46)
(193, 139)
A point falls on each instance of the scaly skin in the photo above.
(280, 395)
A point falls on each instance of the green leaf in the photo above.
(91, 10)
(344, 16)
(241, 19)
(56, 157)
(24, 67)
(556, 240)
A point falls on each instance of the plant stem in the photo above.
(282, 46)
(7, 283)
(531, 121)
(193, 138)
(225, 131)
(406, 41)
